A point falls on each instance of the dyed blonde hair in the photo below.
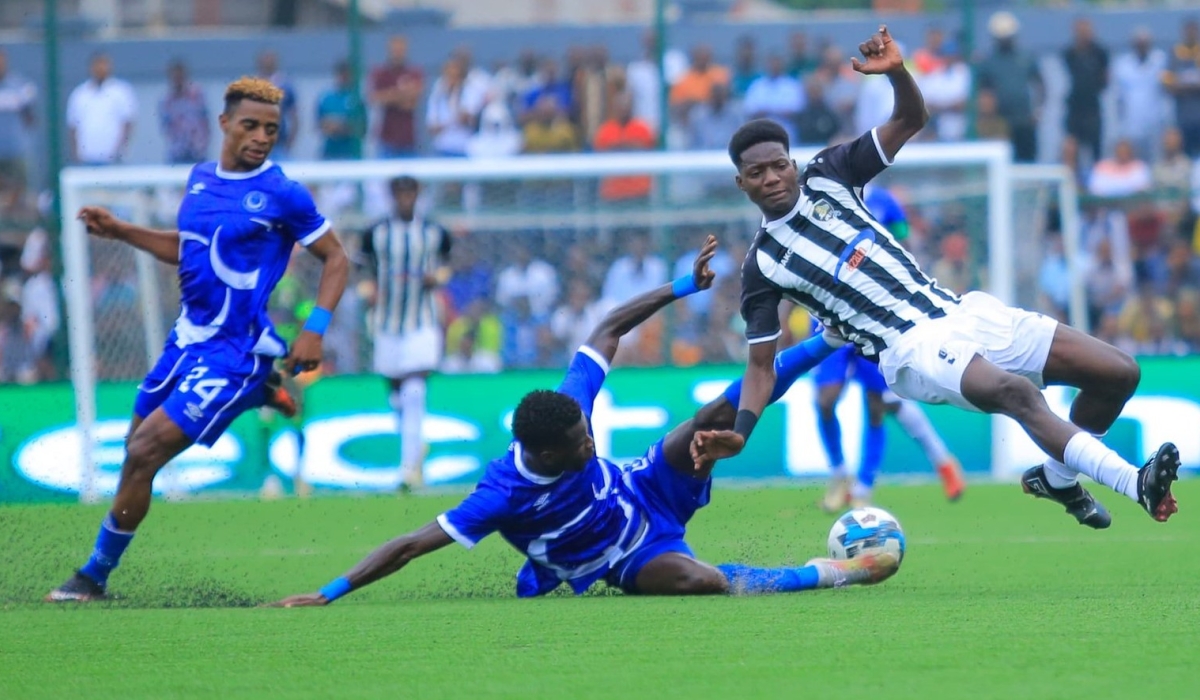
(248, 88)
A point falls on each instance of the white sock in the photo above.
(860, 491)
(1059, 475)
(838, 472)
(917, 425)
(1087, 455)
(412, 414)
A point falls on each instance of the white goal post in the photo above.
(998, 181)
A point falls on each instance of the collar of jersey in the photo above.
(787, 216)
(230, 175)
(519, 460)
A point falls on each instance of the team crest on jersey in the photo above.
(254, 201)
(823, 211)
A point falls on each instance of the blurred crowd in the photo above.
(1131, 125)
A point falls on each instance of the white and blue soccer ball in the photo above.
(864, 532)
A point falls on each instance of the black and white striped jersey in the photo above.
(831, 256)
(405, 253)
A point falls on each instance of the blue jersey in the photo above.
(236, 233)
(884, 206)
(574, 527)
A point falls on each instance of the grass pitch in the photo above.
(999, 596)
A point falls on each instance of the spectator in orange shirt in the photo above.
(622, 132)
(696, 84)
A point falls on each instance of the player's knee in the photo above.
(1125, 376)
(144, 456)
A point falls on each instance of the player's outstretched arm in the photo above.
(386, 560)
(882, 57)
(306, 352)
(758, 382)
(100, 222)
(606, 337)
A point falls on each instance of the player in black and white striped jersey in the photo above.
(820, 247)
(411, 258)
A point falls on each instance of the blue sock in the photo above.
(790, 365)
(873, 443)
(750, 579)
(110, 545)
(831, 438)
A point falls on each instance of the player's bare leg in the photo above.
(156, 441)
(993, 390)
(837, 493)
(1105, 376)
(675, 573)
(151, 444)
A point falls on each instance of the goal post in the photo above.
(973, 183)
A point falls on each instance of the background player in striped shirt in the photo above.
(820, 247)
(411, 257)
(846, 364)
(578, 518)
(238, 222)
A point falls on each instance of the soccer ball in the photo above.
(866, 531)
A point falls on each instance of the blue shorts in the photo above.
(843, 364)
(669, 499)
(203, 394)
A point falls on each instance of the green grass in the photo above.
(999, 597)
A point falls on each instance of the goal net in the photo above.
(976, 222)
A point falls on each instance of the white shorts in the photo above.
(399, 355)
(927, 363)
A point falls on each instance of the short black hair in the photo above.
(543, 418)
(753, 133)
(404, 183)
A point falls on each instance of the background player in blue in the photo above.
(238, 222)
(578, 518)
(831, 377)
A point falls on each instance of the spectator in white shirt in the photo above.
(634, 273)
(947, 86)
(39, 304)
(574, 320)
(642, 80)
(100, 114)
(528, 277)
(1122, 175)
(450, 117)
(775, 95)
(1141, 102)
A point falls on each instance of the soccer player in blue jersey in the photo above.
(831, 377)
(237, 225)
(579, 518)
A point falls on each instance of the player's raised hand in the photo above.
(99, 222)
(881, 53)
(702, 274)
(708, 446)
(305, 600)
(305, 355)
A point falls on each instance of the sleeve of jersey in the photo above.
(479, 515)
(303, 220)
(760, 304)
(584, 378)
(855, 163)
